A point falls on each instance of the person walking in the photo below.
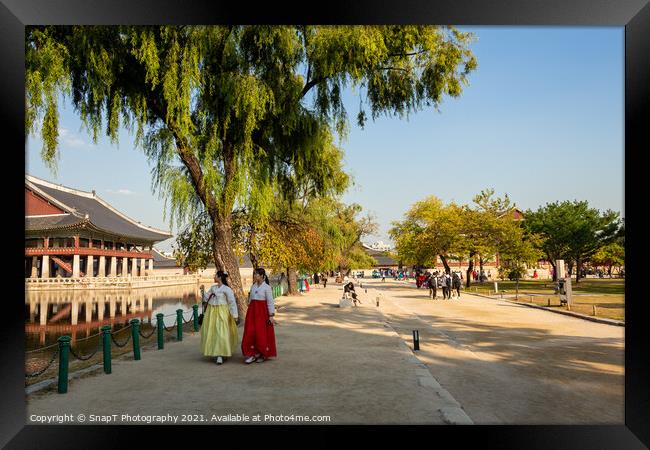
(316, 279)
(220, 319)
(442, 284)
(432, 282)
(258, 342)
(448, 282)
(456, 282)
(324, 278)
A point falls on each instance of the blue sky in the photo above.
(542, 120)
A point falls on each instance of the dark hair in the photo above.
(262, 272)
(223, 276)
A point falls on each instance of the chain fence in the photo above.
(47, 366)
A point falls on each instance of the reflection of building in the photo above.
(72, 233)
(71, 312)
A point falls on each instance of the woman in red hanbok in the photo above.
(258, 342)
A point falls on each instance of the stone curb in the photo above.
(453, 414)
(49, 382)
(566, 313)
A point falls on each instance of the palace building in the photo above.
(72, 233)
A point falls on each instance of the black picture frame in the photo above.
(634, 15)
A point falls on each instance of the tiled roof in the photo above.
(51, 222)
(86, 206)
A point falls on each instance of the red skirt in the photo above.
(259, 336)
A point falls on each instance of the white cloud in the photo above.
(121, 192)
(70, 139)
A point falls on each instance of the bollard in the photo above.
(64, 349)
(160, 325)
(594, 310)
(106, 337)
(135, 324)
(366, 290)
(179, 324)
(196, 317)
(377, 301)
(416, 340)
(549, 302)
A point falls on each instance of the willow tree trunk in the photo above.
(578, 270)
(225, 259)
(292, 280)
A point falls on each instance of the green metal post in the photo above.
(196, 317)
(160, 324)
(179, 324)
(106, 337)
(135, 324)
(64, 349)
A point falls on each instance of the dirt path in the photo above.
(509, 364)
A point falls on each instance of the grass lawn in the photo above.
(585, 286)
(608, 295)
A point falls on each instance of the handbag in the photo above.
(204, 304)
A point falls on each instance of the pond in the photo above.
(81, 314)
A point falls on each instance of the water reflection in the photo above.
(79, 314)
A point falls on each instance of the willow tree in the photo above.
(226, 111)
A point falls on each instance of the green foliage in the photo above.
(612, 254)
(571, 230)
(428, 230)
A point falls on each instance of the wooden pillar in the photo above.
(125, 267)
(45, 267)
(43, 312)
(75, 265)
(101, 306)
(113, 266)
(74, 315)
(90, 265)
(143, 265)
(134, 267)
(151, 266)
(32, 310)
(34, 267)
(89, 310)
(101, 270)
(112, 306)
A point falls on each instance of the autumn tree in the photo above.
(227, 112)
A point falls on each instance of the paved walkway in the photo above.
(342, 363)
(510, 364)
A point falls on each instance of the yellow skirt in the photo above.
(218, 331)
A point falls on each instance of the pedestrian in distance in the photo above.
(258, 342)
(433, 285)
(448, 282)
(324, 278)
(220, 319)
(442, 283)
(456, 282)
